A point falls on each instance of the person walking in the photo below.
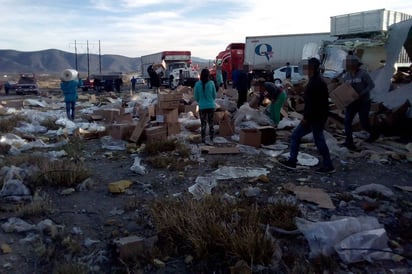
(219, 77)
(205, 95)
(133, 82)
(277, 95)
(243, 83)
(362, 83)
(224, 76)
(288, 72)
(69, 89)
(315, 114)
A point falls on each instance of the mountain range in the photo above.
(53, 61)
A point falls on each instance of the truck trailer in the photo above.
(263, 54)
(366, 35)
(173, 68)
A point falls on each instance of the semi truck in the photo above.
(232, 58)
(173, 68)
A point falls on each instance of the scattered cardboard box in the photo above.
(155, 134)
(343, 95)
(138, 129)
(268, 135)
(250, 137)
(120, 131)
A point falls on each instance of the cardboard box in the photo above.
(155, 134)
(250, 137)
(226, 127)
(268, 135)
(109, 115)
(172, 96)
(125, 118)
(170, 115)
(120, 131)
(193, 108)
(343, 95)
(173, 128)
(168, 104)
(139, 127)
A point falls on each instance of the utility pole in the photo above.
(75, 53)
(100, 60)
(82, 45)
(88, 60)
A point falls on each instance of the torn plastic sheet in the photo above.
(288, 123)
(323, 236)
(385, 191)
(304, 159)
(137, 167)
(35, 103)
(369, 245)
(31, 128)
(13, 140)
(111, 144)
(227, 172)
(203, 186)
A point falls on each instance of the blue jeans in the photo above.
(318, 138)
(70, 110)
(362, 107)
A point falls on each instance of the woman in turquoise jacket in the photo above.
(205, 95)
(69, 89)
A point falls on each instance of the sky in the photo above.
(134, 28)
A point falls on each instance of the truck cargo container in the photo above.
(265, 53)
(371, 21)
(366, 35)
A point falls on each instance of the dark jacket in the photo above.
(316, 101)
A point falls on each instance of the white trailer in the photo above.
(266, 53)
(365, 22)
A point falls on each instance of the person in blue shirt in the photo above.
(69, 89)
(205, 95)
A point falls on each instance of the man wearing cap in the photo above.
(315, 114)
(362, 83)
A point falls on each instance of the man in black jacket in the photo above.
(315, 114)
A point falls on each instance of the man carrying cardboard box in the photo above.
(362, 83)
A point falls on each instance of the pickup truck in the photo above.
(27, 84)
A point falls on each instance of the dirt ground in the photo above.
(94, 217)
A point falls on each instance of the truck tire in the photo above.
(278, 81)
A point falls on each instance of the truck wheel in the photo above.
(278, 81)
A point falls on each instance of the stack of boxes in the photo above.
(167, 114)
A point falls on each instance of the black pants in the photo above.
(206, 118)
(242, 93)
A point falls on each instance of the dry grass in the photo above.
(74, 147)
(211, 228)
(7, 124)
(169, 154)
(63, 173)
(70, 268)
(50, 124)
(40, 206)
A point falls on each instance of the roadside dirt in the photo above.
(94, 217)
